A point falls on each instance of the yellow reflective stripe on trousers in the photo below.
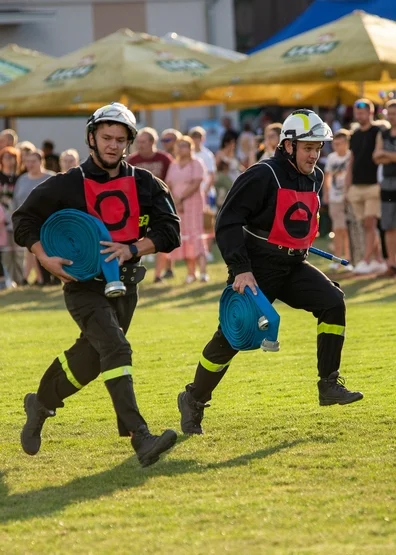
(331, 328)
(212, 366)
(117, 373)
(69, 374)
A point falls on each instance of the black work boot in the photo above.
(148, 448)
(332, 391)
(36, 416)
(192, 413)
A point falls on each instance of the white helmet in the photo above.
(116, 112)
(305, 125)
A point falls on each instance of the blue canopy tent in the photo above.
(321, 12)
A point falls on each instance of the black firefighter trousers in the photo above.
(102, 348)
(299, 285)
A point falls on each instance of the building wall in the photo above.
(70, 29)
(108, 17)
(258, 20)
(79, 22)
(188, 19)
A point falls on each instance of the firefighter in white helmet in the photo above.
(139, 213)
(264, 230)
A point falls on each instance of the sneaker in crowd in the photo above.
(148, 447)
(168, 274)
(10, 284)
(378, 267)
(36, 414)
(204, 278)
(332, 391)
(158, 279)
(190, 279)
(363, 268)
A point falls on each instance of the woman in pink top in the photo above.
(184, 178)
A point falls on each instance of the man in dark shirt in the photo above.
(263, 230)
(363, 190)
(229, 131)
(51, 159)
(385, 154)
(139, 213)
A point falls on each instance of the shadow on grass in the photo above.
(183, 296)
(49, 500)
(50, 298)
(32, 299)
(357, 287)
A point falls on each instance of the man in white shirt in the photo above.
(334, 193)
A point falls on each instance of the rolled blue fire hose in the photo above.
(76, 236)
(249, 321)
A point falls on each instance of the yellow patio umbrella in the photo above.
(356, 48)
(298, 94)
(140, 70)
(16, 62)
(323, 94)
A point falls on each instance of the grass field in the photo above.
(273, 474)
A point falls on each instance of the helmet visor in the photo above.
(319, 132)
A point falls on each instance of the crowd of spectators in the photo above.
(358, 196)
(23, 166)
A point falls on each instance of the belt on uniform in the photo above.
(129, 274)
(259, 236)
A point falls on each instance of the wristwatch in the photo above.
(134, 251)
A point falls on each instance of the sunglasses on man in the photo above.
(361, 105)
(167, 140)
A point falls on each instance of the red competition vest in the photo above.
(296, 223)
(116, 204)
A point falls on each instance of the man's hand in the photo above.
(117, 250)
(54, 265)
(243, 280)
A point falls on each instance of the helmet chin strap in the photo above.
(293, 156)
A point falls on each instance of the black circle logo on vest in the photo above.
(111, 198)
(297, 220)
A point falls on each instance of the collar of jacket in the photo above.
(92, 170)
(292, 172)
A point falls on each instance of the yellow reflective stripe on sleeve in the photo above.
(117, 373)
(331, 328)
(69, 374)
(212, 366)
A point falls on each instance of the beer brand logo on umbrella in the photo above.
(168, 62)
(84, 66)
(10, 71)
(321, 47)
